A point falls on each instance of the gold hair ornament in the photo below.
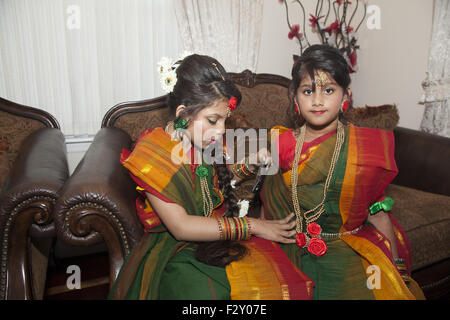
(321, 78)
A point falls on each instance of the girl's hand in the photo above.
(263, 159)
(282, 230)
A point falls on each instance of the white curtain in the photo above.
(228, 30)
(78, 58)
(436, 118)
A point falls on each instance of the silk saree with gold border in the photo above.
(160, 267)
(355, 266)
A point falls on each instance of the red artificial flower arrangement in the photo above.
(313, 229)
(294, 32)
(314, 20)
(317, 246)
(334, 27)
(340, 33)
(301, 240)
(314, 245)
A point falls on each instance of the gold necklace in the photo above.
(302, 239)
(201, 171)
(208, 205)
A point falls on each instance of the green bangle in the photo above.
(401, 266)
(238, 172)
(385, 205)
(247, 166)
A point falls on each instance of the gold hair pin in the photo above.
(215, 66)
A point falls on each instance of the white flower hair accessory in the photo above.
(243, 207)
(167, 71)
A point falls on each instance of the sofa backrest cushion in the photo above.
(13, 130)
(135, 123)
(264, 104)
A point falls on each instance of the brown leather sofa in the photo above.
(97, 202)
(422, 194)
(33, 168)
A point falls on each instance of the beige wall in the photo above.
(392, 61)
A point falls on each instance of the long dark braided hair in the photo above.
(201, 81)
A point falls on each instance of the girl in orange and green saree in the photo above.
(333, 177)
(196, 246)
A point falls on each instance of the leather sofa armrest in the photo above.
(26, 209)
(37, 175)
(422, 160)
(97, 202)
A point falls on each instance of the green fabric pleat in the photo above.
(339, 274)
(184, 270)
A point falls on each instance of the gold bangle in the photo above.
(249, 228)
(220, 222)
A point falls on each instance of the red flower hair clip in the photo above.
(232, 103)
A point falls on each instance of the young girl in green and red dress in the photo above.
(196, 246)
(333, 176)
